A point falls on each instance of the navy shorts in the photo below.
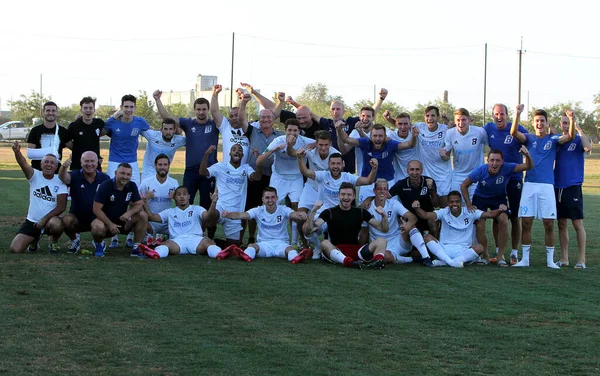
(484, 204)
(513, 191)
(569, 202)
(28, 228)
(84, 222)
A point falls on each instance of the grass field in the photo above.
(186, 315)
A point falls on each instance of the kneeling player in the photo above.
(455, 246)
(343, 224)
(273, 237)
(185, 227)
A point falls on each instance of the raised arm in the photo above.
(162, 111)
(261, 99)
(382, 225)
(585, 141)
(412, 142)
(214, 105)
(302, 165)
(279, 107)
(430, 216)
(63, 173)
(311, 224)
(514, 128)
(528, 165)
(388, 117)
(244, 99)
(267, 154)
(203, 165)
(25, 167)
(342, 136)
(369, 179)
(563, 139)
(211, 216)
(382, 95)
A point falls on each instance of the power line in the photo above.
(128, 40)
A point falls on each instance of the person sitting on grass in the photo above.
(117, 210)
(47, 200)
(273, 236)
(185, 227)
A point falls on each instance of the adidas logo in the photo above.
(492, 136)
(44, 194)
(456, 142)
(175, 216)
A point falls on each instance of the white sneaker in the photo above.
(437, 263)
(521, 264)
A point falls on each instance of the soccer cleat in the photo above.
(377, 264)
(74, 246)
(100, 248)
(149, 241)
(553, 265)
(33, 248)
(136, 252)
(54, 248)
(520, 264)
(114, 243)
(357, 264)
(438, 263)
(513, 259)
(501, 262)
(427, 262)
(148, 252)
(302, 255)
(239, 253)
(226, 252)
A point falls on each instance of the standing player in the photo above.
(85, 132)
(344, 222)
(84, 184)
(492, 179)
(362, 128)
(164, 142)
(537, 200)
(455, 246)
(273, 237)
(568, 178)
(500, 138)
(402, 134)
(185, 227)
(47, 138)
(47, 200)
(158, 191)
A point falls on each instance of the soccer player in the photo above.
(343, 224)
(379, 147)
(273, 237)
(47, 138)
(492, 179)
(466, 143)
(84, 184)
(568, 178)
(232, 181)
(158, 191)
(164, 142)
(118, 209)
(402, 134)
(185, 227)
(420, 188)
(85, 133)
(500, 138)
(401, 236)
(328, 188)
(430, 143)
(538, 200)
(47, 200)
(362, 128)
(455, 246)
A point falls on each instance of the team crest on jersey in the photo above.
(423, 191)
(389, 214)
(55, 188)
(244, 173)
(208, 129)
(172, 145)
(128, 197)
(466, 221)
(171, 192)
(474, 141)
(508, 139)
(279, 218)
(519, 185)
(384, 155)
(483, 183)
(193, 129)
(548, 145)
(500, 180)
(440, 134)
(112, 197)
(97, 132)
(190, 213)
(81, 133)
(134, 132)
(346, 128)
(571, 147)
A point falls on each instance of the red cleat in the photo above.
(239, 253)
(225, 252)
(302, 255)
(148, 252)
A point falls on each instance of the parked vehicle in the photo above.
(14, 130)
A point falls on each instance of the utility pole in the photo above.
(521, 52)
(484, 82)
(41, 94)
(232, 60)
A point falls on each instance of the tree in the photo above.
(585, 119)
(393, 107)
(104, 112)
(26, 108)
(179, 110)
(68, 114)
(317, 98)
(145, 109)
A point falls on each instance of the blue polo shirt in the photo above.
(116, 202)
(385, 156)
(83, 192)
(492, 186)
(349, 160)
(569, 166)
(124, 138)
(198, 137)
(543, 153)
(509, 146)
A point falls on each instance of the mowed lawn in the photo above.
(188, 315)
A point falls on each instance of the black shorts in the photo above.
(254, 192)
(84, 222)
(513, 191)
(569, 202)
(484, 204)
(28, 228)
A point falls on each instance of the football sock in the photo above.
(294, 233)
(403, 260)
(525, 258)
(439, 252)
(417, 240)
(162, 250)
(213, 251)
(291, 254)
(467, 256)
(550, 258)
(250, 251)
(337, 256)
(378, 256)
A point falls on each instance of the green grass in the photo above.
(186, 315)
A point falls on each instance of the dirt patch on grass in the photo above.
(11, 221)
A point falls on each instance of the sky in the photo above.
(414, 49)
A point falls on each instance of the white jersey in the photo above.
(285, 166)
(231, 136)
(43, 195)
(315, 163)
(358, 155)
(329, 188)
(157, 145)
(468, 149)
(393, 209)
(457, 230)
(271, 226)
(429, 145)
(183, 222)
(163, 192)
(402, 157)
(232, 184)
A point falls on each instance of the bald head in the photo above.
(304, 117)
(88, 155)
(89, 162)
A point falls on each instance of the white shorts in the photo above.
(159, 228)
(287, 187)
(308, 197)
(231, 227)
(398, 247)
(272, 248)
(443, 186)
(187, 244)
(454, 250)
(538, 201)
(456, 183)
(135, 171)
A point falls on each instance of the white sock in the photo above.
(337, 256)
(294, 233)
(314, 240)
(213, 251)
(526, 248)
(467, 256)
(438, 250)
(417, 240)
(162, 250)
(497, 249)
(514, 252)
(403, 260)
(250, 251)
(550, 255)
(77, 236)
(115, 238)
(291, 254)
(130, 236)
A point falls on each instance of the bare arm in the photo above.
(214, 106)
(585, 141)
(236, 215)
(311, 224)
(261, 99)
(464, 190)
(388, 117)
(528, 165)
(430, 216)
(571, 135)
(212, 215)
(303, 169)
(514, 129)
(382, 95)
(162, 111)
(298, 216)
(382, 225)
(244, 99)
(412, 142)
(152, 217)
(99, 213)
(25, 167)
(63, 174)
(342, 136)
(369, 179)
(266, 155)
(291, 101)
(494, 213)
(134, 208)
(279, 107)
(61, 206)
(203, 165)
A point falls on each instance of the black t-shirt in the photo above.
(85, 137)
(408, 194)
(43, 137)
(116, 202)
(306, 132)
(344, 225)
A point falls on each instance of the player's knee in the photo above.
(429, 238)
(562, 224)
(54, 225)
(16, 248)
(548, 225)
(98, 227)
(69, 222)
(478, 248)
(502, 219)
